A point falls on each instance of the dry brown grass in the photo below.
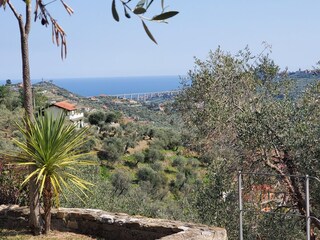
(142, 145)
(23, 234)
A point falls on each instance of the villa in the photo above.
(73, 113)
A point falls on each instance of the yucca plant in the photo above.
(51, 147)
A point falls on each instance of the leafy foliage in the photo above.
(9, 98)
(112, 117)
(139, 157)
(50, 148)
(10, 180)
(152, 155)
(140, 9)
(246, 115)
(96, 117)
(120, 181)
(42, 13)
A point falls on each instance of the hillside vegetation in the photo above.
(181, 161)
(143, 166)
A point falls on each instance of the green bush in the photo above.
(152, 155)
(157, 166)
(96, 117)
(88, 146)
(10, 179)
(113, 117)
(120, 181)
(112, 149)
(179, 162)
(146, 174)
(111, 153)
(138, 157)
(193, 162)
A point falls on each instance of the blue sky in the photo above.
(100, 47)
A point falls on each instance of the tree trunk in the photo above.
(47, 203)
(34, 204)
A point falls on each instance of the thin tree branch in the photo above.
(18, 17)
(16, 14)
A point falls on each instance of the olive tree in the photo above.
(246, 115)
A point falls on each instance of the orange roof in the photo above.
(65, 105)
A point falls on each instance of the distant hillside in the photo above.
(305, 74)
(54, 92)
(303, 77)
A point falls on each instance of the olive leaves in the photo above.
(139, 10)
(114, 11)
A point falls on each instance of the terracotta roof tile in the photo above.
(65, 105)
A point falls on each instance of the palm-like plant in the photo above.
(51, 146)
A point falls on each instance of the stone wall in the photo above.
(113, 226)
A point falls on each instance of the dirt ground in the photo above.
(53, 235)
(142, 145)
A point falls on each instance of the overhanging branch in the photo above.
(16, 14)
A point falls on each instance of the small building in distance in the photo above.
(73, 113)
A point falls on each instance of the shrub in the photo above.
(152, 155)
(178, 162)
(112, 153)
(120, 182)
(193, 162)
(156, 179)
(157, 166)
(112, 150)
(113, 117)
(10, 180)
(146, 174)
(96, 117)
(158, 144)
(88, 146)
(138, 157)
(150, 132)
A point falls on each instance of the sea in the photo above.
(87, 87)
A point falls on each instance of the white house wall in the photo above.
(74, 116)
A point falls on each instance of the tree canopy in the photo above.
(248, 115)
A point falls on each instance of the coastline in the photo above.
(114, 85)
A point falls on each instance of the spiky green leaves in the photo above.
(51, 147)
